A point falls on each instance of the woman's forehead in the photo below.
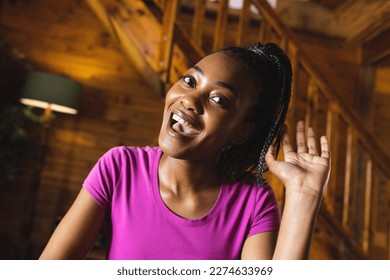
(220, 59)
(220, 67)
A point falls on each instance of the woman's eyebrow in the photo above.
(221, 84)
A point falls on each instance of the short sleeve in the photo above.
(104, 177)
(266, 215)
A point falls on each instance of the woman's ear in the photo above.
(244, 133)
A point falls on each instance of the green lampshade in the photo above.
(45, 90)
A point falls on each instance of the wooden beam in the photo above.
(128, 22)
(100, 11)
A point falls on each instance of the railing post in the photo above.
(263, 31)
(312, 104)
(351, 155)
(332, 132)
(244, 21)
(220, 28)
(198, 22)
(367, 205)
(168, 28)
(293, 54)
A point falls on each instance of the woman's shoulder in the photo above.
(251, 189)
(120, 157)
(119, 152)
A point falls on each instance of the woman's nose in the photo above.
(193, 102)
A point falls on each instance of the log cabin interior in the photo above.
(125, 53)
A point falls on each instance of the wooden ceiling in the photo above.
(330, 4)
(356, 21)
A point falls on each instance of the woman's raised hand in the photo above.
(305, 171)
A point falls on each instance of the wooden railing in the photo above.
(356, 205)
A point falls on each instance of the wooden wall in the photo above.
(117, 108)
(337, 62)
(380, 105)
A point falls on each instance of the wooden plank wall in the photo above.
(117, 108)
(380, 104)
(338, 64)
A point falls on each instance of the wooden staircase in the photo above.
(164, 38)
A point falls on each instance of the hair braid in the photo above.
(278, 119)
(272, 74)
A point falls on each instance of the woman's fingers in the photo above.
(270, 157)
(301, 138)
(306, 142)
(287, 148)
(325, 152)
(311, 142)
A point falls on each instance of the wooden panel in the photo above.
(117, 108)
(382, 80)
(380, 113)
(381, 123)
(339, 66)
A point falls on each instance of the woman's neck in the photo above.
(189, 188)
(189, 175)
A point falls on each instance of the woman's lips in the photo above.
(183, 127)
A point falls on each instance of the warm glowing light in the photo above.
(44, 105)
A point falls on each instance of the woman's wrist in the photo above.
(312, 189)
(307, 198)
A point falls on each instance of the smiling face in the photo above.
(207, 109)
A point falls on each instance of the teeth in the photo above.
(181, 121)
(176, 117)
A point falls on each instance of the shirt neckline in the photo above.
(173, 216)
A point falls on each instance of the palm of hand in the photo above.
(303, 171)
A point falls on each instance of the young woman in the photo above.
(200, 194)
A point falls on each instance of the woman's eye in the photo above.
(219, 100)
(190, 81)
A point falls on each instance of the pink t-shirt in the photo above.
(125, 183)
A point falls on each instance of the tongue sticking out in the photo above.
(183, 127)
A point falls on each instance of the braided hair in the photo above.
(271, 74)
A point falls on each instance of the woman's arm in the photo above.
(304, 174)
(259, 246)
(77, 231)
(298, 221)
